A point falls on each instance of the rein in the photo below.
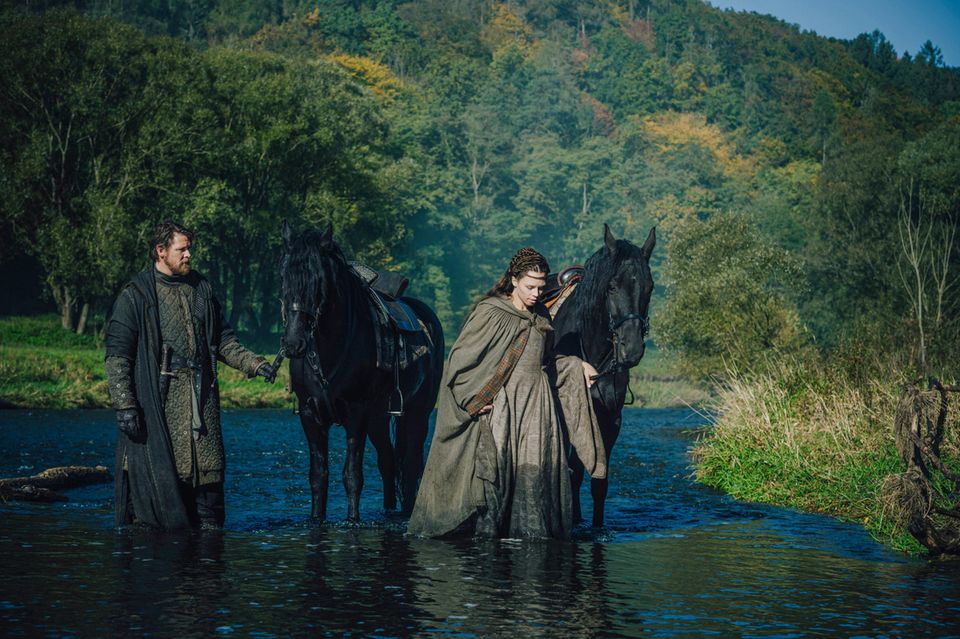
(312, 358)
(610, 363)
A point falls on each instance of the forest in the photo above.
(805, 189)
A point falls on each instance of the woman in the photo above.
(497, 465)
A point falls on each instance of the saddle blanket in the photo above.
(402, 315)
(401, 337)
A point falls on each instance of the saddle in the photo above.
(559, 286)
(401, 338)
(392, 285)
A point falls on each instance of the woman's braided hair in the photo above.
(525, 261)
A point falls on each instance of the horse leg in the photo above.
(411, 434)
(353, 465)
(317, 432)
(379, 432)
(599, 487)
(598, 490)
(576, 480)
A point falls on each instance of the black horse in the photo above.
(336, 334)
(605, 321)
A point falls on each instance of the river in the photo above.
(676, 559)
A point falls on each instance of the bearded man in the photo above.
(164, 338)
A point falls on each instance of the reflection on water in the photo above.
(676, 560)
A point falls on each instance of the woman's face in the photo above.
(527, 289)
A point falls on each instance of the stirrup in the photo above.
(391, 410)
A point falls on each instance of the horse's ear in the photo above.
(650, 243)
(608, 239)
(328, 234)
(287, 234)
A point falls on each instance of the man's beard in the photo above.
(179, 268)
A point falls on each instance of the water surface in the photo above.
(676, 559)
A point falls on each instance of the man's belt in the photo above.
(178, 362)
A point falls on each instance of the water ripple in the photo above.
(675, 558)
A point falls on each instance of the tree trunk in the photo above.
(63, 296)
(84, 314)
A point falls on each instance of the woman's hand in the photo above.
(589, 372)
(486, 409)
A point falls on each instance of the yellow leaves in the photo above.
(671, 211)
(312, 17)
(373, 74)
(830, 83)
(506, 28)
(671, 130)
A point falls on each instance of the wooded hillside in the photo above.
(805, 189)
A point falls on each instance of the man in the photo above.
(164, 337)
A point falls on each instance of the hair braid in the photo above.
(526, 260)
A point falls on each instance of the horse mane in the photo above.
(599, 269)
(303, 263)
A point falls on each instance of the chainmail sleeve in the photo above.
(120, 382)
(235, 355)
(232, 352)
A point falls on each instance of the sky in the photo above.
(907, 24)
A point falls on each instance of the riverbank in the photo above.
(44, 366)
(806, 436)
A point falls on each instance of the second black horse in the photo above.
(336, 335)
(605, 321)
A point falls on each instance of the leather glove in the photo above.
(267, 372)
(130, 424)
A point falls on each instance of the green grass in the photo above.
(44, 366)
(657, 383)
(803, 437)
(44, 331)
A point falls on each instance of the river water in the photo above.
(675, 560)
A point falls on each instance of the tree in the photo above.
(928, 211)
(295, 140)
(727, 305)
(823, 118)
(73, 104)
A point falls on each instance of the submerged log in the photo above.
(44, 486)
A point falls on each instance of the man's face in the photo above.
(175, 259)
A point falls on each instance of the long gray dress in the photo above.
(505, 474)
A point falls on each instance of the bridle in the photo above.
(298, 307)
(611, 363)
(643, 319)
(311, 357)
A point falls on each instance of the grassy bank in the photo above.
(657, 383)
(44, 366)
(807, 437)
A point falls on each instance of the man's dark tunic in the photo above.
(178, 466)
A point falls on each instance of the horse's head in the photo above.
(628, 296)
(308, 273)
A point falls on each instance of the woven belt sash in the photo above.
(486, 394)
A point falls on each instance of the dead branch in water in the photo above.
(45, 486)
(911, 497)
